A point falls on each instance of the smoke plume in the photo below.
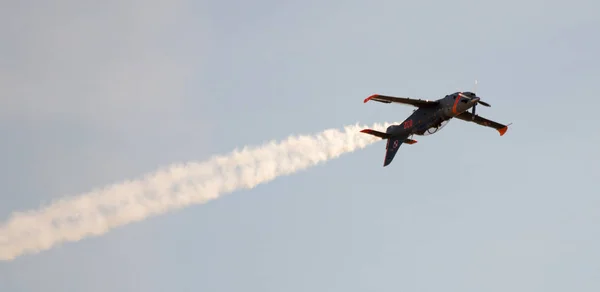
(177, 186)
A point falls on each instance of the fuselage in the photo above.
(428, 120)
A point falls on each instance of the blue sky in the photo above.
(91, 94)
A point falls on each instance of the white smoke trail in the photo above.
(97, 212)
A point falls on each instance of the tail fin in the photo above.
(392, 146)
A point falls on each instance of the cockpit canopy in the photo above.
(469, 94)
(466, 96)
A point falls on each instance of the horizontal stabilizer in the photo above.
(386, 136)
(376, 133)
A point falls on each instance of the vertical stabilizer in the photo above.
(391, 148)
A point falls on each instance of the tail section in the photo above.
(393, 143)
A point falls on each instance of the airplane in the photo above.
(429, 117)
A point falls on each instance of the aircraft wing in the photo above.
(469, 117)
(404, 100)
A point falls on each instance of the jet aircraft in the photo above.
(429, 117)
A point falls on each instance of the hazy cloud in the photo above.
(101, 61)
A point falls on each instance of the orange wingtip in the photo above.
(503, 131)
(369, 98)
(411, 142)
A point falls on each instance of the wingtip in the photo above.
(369, 98)
(503, 130)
